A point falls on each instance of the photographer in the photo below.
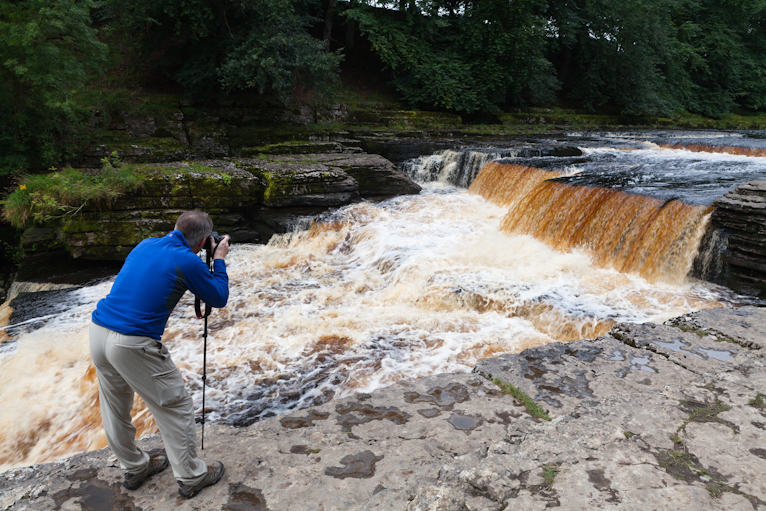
(130, 357)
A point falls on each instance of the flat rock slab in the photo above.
(646, 417)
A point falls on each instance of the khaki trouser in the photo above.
(125, 364)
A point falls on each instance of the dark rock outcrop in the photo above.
(733, 252)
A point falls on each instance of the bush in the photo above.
(45, 197)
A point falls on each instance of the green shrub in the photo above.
(44, 197)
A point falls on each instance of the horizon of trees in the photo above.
(639, 57)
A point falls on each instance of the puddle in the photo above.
(97, 496)
(303, 422)
(429, 413)
(577, 386)
(677, 346)
(465, 422)
(242, 498)
(617, 355)
(360, 466)
(353, 414)
(642, 364)
(722, 355)
(444, 397)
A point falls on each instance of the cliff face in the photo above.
(645, 417)
(734, 251)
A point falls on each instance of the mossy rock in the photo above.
(292, 147)
(306, 185)
(41, 239)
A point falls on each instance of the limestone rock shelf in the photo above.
(646, 417)
(249, 198)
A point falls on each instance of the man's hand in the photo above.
(222, 249)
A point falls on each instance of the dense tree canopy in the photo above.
(229, 44)
(48, 47)
(647, 57)
(463, 55)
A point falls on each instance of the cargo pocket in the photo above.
(170, 387)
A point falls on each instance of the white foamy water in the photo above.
(377, 293)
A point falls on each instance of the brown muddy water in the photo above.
(377, 293)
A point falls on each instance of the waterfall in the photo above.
(707, 148)
(630, 233)
(457, 168)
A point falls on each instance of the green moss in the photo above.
(687, 328)
(758, 401)
(533, 408)
(629, 435)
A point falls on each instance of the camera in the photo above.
(211, 249)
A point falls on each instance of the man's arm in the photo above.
(213, 289)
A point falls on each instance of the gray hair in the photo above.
(195, 226)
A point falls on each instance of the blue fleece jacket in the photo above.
(154, 277)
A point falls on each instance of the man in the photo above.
(130, 357)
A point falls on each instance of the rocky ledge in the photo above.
(648, 416)
(734, 249)
(249, 198)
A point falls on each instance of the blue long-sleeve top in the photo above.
(154, 277)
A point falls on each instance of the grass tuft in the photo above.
(533, 408)
(549, 474)
(44, 197)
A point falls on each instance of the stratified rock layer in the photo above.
(660, 417)
(739, 234)
(250, 199)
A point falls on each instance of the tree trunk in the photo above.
(350, 28)
(328, 25)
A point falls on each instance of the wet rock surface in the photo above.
(737, 239)
(647, 416)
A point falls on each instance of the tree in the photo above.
(231, 44)
(48, 48)
(465, 56)
(619, 53)
(729, 65)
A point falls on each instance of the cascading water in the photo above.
(631, 233)
(457, 168)
(373, 294)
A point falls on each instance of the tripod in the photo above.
(198, 311)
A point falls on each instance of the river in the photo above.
(534, 250)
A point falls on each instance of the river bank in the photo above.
(644, 417)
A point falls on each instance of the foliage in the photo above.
(659, 57)
(460, 55)
(48, 48)
(728, 68)
(204, 46)
(43, 197)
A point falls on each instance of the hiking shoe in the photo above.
(214, 474)
(157, 463)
